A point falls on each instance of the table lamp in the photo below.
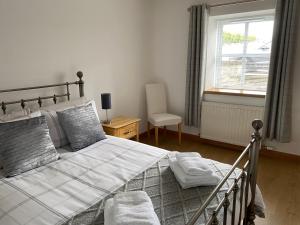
(106, 104)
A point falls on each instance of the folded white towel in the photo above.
(188, 181)
(193, 164)
(108, 212)
(187, 154)
(130, 208)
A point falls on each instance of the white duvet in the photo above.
(54, 193)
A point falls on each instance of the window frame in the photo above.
(219, 43)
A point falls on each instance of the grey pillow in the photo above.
(81, 126)
(25, 145)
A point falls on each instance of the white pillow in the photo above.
(13, 115)
(18, 115)
(57, 133)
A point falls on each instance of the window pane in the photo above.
(256, 72)
(243, 54)
(260, 37)
(233, 38)
(230, 72)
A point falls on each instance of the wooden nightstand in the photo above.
(123, 127)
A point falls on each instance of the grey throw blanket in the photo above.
(172, 204)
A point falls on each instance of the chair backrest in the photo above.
(156, 98)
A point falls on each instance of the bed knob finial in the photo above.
(257, 124)
(3, 106)
(40, 102)
(22, 104)
(79, 75)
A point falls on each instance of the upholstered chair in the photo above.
(157, 110)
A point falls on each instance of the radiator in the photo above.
(228, 123)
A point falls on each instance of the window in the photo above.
(243, 53)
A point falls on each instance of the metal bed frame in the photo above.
(39, 100)
(245, 182)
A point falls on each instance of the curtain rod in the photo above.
(231, 3)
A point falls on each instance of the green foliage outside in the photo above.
(230, 38)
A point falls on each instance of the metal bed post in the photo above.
(80, 83)
(254, 158)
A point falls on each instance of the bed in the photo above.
(73, 190)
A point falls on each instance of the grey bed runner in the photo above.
(172, 204)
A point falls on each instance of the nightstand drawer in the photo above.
(123, 127)
(128, 131)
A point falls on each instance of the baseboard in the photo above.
(264, 151)
(279, 155)
(197, 138)
(186, 136)
(222, 144)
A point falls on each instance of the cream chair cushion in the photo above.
(164, 119)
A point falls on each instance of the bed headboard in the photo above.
(40, 99)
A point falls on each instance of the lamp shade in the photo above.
(106, 100)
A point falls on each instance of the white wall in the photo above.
(169, 51)
(44, 42)
(169, 56)
(119, 45)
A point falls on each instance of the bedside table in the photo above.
(123, 127)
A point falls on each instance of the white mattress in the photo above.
(52, 194)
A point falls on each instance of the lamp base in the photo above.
(106, 122)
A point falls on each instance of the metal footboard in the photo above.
(244, 183)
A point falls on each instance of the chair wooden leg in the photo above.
(165, 131)
(179, 133)
(156, 136)
(148, 129)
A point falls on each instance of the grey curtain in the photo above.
(195, 64)
(279, 92)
